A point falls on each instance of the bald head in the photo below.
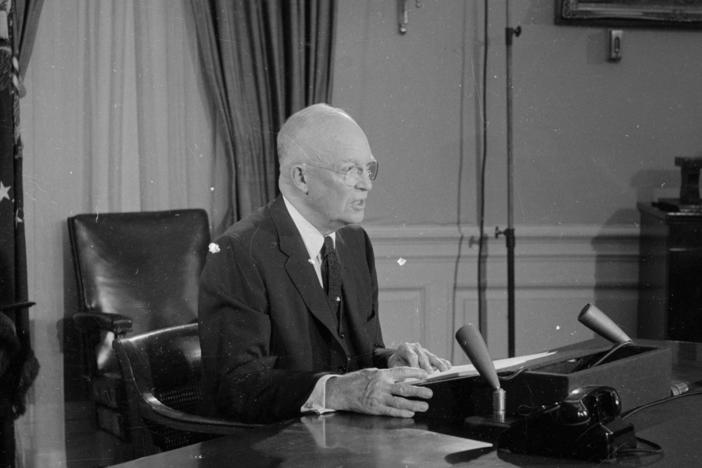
(324, 159)
(317, 134)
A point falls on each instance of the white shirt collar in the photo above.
(313, 239)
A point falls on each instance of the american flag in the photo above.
(13, 267)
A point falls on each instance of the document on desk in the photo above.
(468, 370)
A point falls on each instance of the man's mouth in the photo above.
(358, 204)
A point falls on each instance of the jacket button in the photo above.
(341, 335)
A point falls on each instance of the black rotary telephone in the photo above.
(586, 425)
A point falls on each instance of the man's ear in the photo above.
(298, 177)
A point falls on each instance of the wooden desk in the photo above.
(343, 439)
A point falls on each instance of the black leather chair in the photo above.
(135, 272)
(162, 371)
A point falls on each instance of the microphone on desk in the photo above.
(597, 321)
(473, 344)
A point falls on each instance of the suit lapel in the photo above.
(298, 267)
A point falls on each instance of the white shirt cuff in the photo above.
(316, 402)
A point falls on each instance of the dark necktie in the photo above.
(331, 272)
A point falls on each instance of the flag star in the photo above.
(4, 191)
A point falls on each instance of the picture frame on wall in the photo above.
(632, 13)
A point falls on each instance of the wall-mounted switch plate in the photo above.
(615, 45)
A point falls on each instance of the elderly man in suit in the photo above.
(289, 296)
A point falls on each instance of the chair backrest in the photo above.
(144, 265)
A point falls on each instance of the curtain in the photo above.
(115, 118)
(263, 61)
(18, 22)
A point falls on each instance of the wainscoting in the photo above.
(428, 284)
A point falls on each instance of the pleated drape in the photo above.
(263, 60)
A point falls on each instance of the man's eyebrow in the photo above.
(359, 163)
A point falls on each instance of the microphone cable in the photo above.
(638, 409)
(482, 320)
(482, 313)
(654, 449)
(459, 184)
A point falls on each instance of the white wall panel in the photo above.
(427, 292)
(403, 314)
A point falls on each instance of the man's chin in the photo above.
(355, 218)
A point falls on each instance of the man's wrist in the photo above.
(317, 401)
(332, 394)
(381, 357)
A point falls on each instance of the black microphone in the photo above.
(473, 344)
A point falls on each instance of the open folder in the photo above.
(468, 370)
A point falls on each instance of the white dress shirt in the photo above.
(313, 240)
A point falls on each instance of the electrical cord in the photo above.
(507, 376)
(610, 353)
(654, 449)
(481, 207)
(481, 232)
(638, 409)
(459, 190)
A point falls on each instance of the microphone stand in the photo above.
(482, 427)
(510, 33)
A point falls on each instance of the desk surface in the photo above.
(343, 439)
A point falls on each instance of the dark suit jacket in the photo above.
(266, 330)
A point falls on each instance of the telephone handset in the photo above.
(590, 405)
(585, 425)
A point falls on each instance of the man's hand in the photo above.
(378, 391)
(413, 355)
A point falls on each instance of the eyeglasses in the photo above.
(351, 173)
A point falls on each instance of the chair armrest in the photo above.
(174, 418)
(99, 321)
(17, 305)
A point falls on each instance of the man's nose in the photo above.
(365, 182)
